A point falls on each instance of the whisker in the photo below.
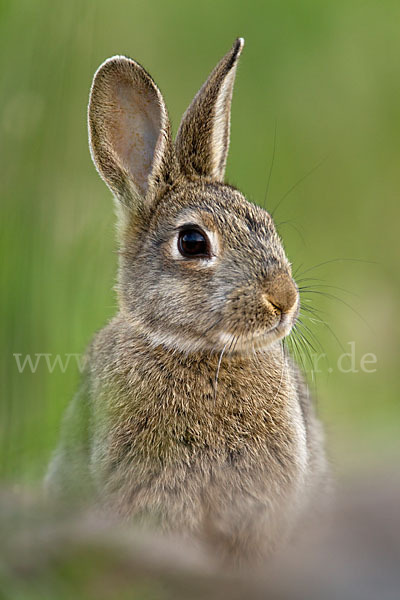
(329, 328)
(281, 378)
(302, 346)
(301, 236)
(271, 167)
(306, 308)
(236, 339)
(333, 297)
(298, 183)
(312, 334)
(217, 372)
(257, 352)
(294, 346)
(333, 260)
(217, 322)
(305, 344)
(324, 285)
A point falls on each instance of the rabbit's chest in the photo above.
(165, 420)
(177, 450)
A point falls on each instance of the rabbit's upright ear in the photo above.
(202, 141)
(129, 132)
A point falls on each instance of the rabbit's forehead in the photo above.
(226, 212)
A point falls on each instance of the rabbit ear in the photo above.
(129, 132)
(202, 141)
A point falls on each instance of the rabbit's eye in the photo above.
(192, 243)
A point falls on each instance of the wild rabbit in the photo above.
(191, 417)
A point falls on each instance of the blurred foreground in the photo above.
(53, 556)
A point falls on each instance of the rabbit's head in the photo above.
(201, 268)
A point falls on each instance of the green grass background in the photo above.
(325, 74)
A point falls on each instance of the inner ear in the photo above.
(129, 132)
(133, 129)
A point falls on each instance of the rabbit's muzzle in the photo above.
(258, 316)
(281, 292)
(281, 300)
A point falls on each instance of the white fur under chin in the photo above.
(226, 342)
(260, 342)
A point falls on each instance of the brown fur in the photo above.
(196, 419)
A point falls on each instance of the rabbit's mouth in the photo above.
(259, 340)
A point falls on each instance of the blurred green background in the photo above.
(325, 75)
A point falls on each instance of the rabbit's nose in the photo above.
(281, 291)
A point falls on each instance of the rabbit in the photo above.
(192, 417)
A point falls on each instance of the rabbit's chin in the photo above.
(228, 342)
(258, 341)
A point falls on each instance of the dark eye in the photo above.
(193, 243)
